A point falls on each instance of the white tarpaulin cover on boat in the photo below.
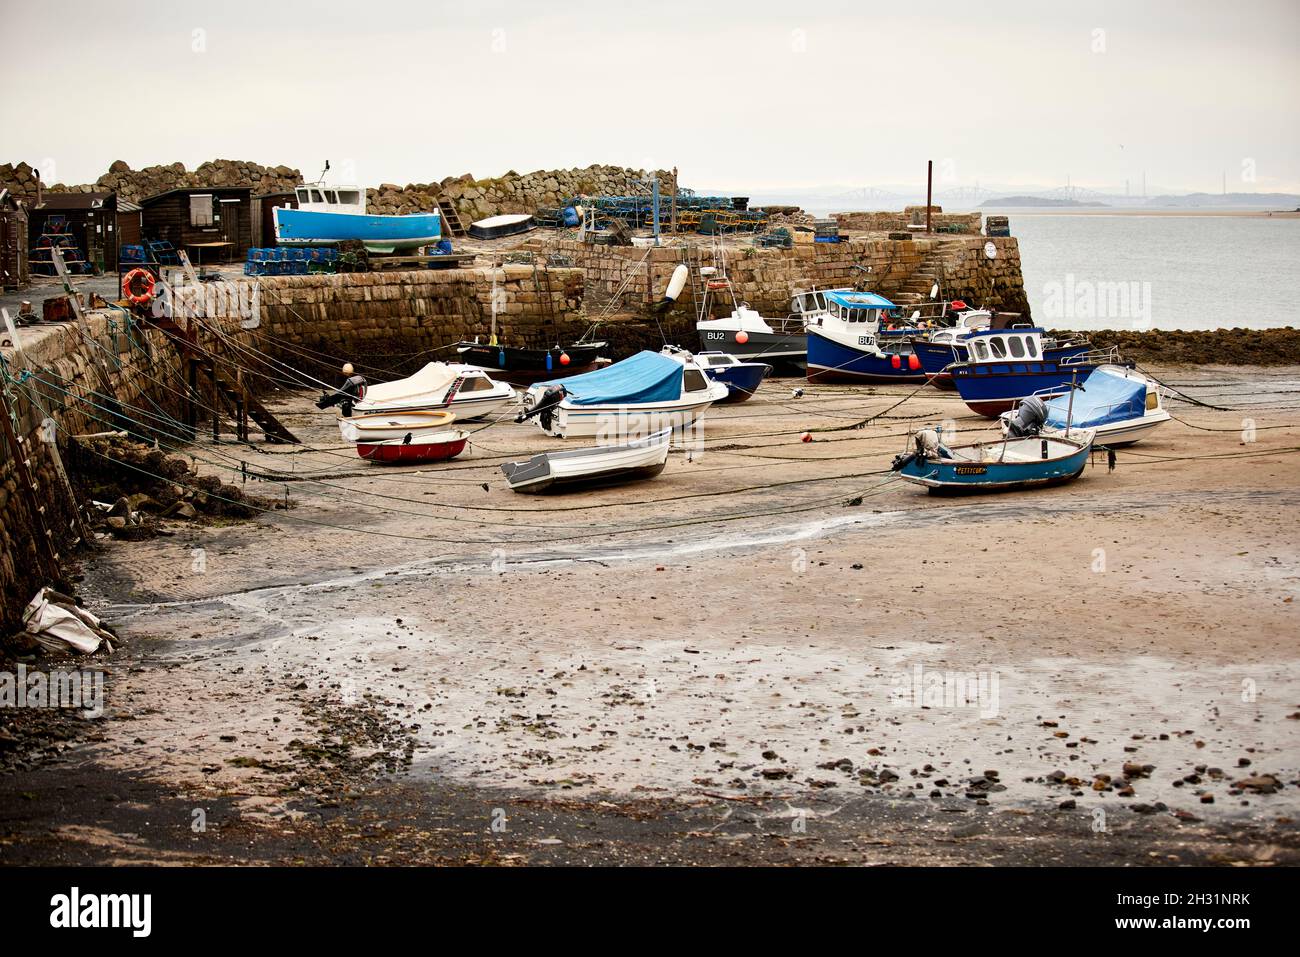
(433, 380)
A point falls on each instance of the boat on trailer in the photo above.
(447, 386)
(1116, 402)
(636, 397)
(327, 215)
(996, 466)
(588, 468)
(412, 449)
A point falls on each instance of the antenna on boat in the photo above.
(321, 180)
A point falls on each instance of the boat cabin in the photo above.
(999, 345)
(331, 199)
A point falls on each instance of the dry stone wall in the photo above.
(135, 185)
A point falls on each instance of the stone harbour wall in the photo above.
(65, 380)
(896, 222)
(399, 320)
(767, 278)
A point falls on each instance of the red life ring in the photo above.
(128, 283)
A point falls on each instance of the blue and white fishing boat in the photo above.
(845, 343)
(334, 214)
(741, 378)
(1009, 463)
(944, 346)
(1118, 404)
(1005, 366)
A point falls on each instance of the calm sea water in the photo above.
(1176, 272)
(1148, 271)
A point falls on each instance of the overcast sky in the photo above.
(744, 95)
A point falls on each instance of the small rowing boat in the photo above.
(587, 468)
(378, 427)
(1010, 463)
(411, 449)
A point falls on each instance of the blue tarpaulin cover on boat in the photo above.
(1106, 397)
(645, 377)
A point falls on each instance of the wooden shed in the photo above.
(13, 241)
(264, 219)
(129, 232)
(213, 223)
(87, 220)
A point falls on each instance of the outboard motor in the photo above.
(545, 410)
(1029, 418)
(928, 446)
(352, 392)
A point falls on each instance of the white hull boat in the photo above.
(467, 391)
(637, 397)
(586, 468)
(1117, 404)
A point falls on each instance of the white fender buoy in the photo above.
(677, 283)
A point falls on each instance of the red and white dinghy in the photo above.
(415, 449)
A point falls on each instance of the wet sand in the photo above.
(742, 660)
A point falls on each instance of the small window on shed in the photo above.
(201, 209)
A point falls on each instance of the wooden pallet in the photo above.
(448, 261)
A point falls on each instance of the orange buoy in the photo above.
(564, 359)
(806, 437)
(896, 362)
(742, 337)
(128, 286)
(913, 362)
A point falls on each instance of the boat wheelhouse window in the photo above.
(475, 383)
(316, 196)
(981, 349)
(834, 309)
(201, 209)
(303, 195)
(331, 196)
(999, 347)
(1017, 347)
(693, 380)
(349, 197)
(1032, 346)
(1153, 400)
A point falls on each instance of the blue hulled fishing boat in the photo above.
(741, 378)
(845, 342)
(1004, 366)
(334, 214)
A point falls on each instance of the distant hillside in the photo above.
(1273, 200)
(1035, 201)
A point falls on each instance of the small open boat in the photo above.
(587, 468)
(508, 224)
(411, 449)
(379, 427)
(1010, 463)
(741, 378)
